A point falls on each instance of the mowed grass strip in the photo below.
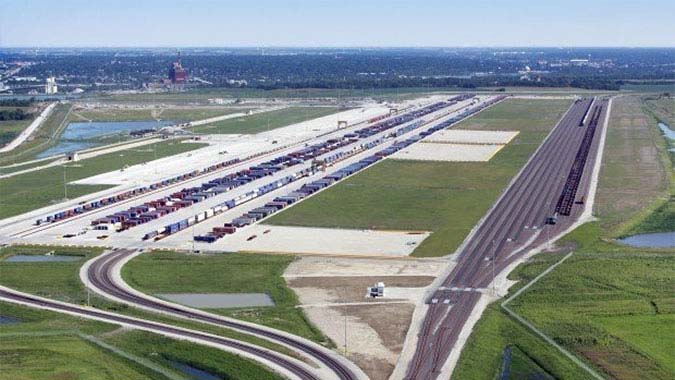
(56, 280)
(448, 198)
(171, 272)
(144, 114)
(64, 357)
(45, 136)
(608, 303)
(30, 191)
(266, 121)
(46, 345)
(61, 281)
(636, 175)
(482, 357)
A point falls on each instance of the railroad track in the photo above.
(243, 164)
(514, 225)
(101, 273)
(275, 361)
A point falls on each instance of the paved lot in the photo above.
(464, 136)
(322, 241)
(448, 152)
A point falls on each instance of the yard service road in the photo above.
(511, 228)
(102, 275)
(287, 366)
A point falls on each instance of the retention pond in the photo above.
(219, 300)
(653, 240)
(84, 135)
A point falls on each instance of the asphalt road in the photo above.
(290, 365)
(513, 226)
(100, 275)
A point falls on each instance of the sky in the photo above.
(346, 23)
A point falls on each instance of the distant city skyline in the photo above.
(348, 23)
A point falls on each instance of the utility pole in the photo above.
(65, 184)
(494, 257)
(344, 290)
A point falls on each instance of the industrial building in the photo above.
(50, 87)
(177, 74)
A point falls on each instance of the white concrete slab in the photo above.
(448, 152)
(321, 241)
(463, 136)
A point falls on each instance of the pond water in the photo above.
(40, 258)
(669, 133)
(8, 320)
(219, 300)
(654, 240)
(194, 373)
(81, 135)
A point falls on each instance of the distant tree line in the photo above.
(16, 114)
(16, 102)
(109, 69)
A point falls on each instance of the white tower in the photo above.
(51, 87)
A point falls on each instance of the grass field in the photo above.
(170, 272)
(647, 87)
(165, 351)
(611, 305)
(17, 168)
(56, 280)
(47, 345)
(62, 357)
(60, 280)
(482, 356)
(132, 114)
(29, 191)
(446, 198)
(635, 171)
(41, 139)
(9, 129)
(266, 121)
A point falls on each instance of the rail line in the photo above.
(515, 223)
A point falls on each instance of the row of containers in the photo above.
(313, 151)
(308, 189)
(93, 205)
(569, 193)
(186, 197)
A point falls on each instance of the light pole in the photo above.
(344, 290)
(65, 184)
(494, 257)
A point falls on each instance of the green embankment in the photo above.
(447, 198)
(173, 113)
(171, 272)
(48, 345)
(60, 281)
(29, 191)
(44, 137)
(266, 121)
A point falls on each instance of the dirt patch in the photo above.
(318, 266)
(384, 319)
(375, 333)
(325, 290)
